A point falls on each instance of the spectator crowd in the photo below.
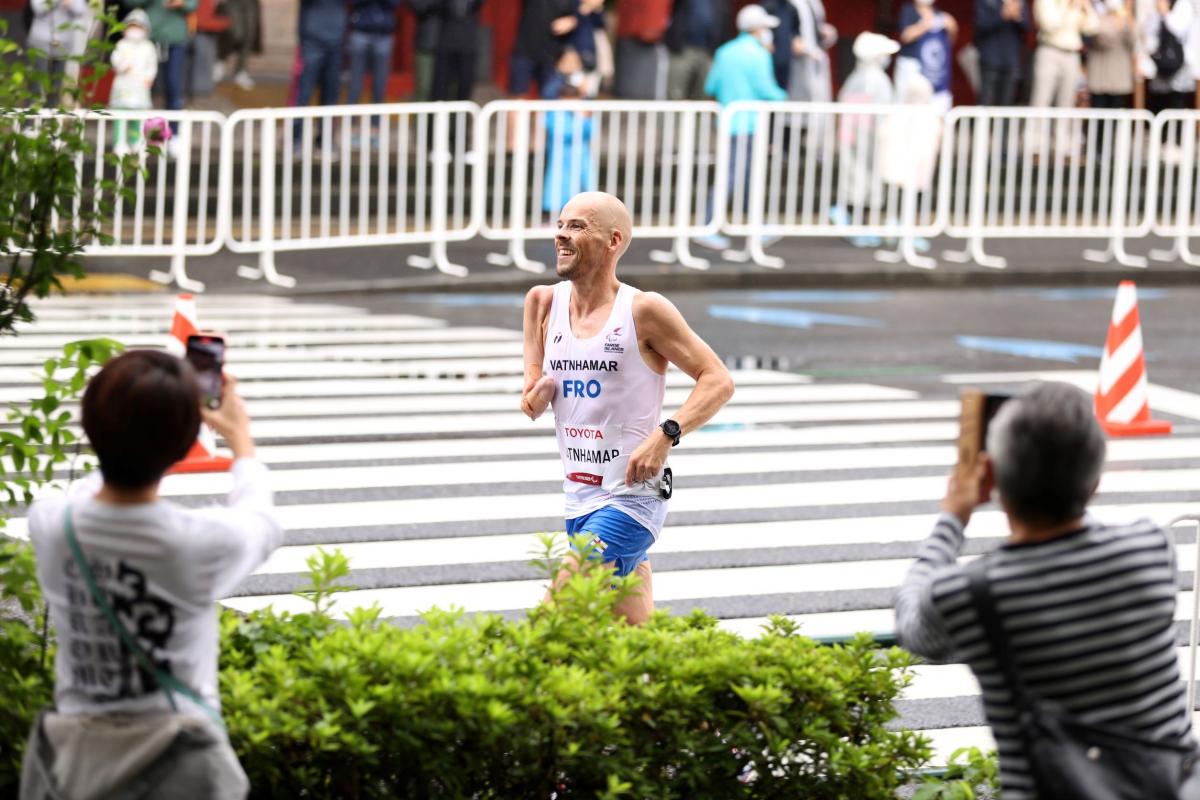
(1047, 53)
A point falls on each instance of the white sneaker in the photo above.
(243, 80)
(173, 148)
(218, 72)
(121, 150)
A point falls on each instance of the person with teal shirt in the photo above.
(742, 70)
(169, 32)
(568, 143)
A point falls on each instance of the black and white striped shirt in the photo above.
(1089, 617)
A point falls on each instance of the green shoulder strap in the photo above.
(170, 685)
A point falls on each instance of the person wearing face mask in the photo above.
(134, 64)
(742, 70)
(928, 38)
(868, 84)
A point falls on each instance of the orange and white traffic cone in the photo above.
(1123, 396)
(202, 457)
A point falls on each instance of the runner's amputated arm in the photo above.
(537, 311)
(664, 331)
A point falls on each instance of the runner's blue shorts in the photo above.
(623, 540)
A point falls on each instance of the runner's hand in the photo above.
(647, 461)
(537, 397)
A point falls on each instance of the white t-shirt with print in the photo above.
(163, 568)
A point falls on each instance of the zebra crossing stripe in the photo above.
(284, 339)
(549, 469)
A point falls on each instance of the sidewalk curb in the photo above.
(653, 278)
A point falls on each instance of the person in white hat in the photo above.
(742, 70)
(868, 84)
(135, 63)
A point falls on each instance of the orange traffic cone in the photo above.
(1123, 396)
(202, 457)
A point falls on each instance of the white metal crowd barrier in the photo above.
(828, 169)
(655, 156)
(175, 208)
(1173, 155)
(349, 176)
(1194, 618)
(1047, 173)
(276, 180)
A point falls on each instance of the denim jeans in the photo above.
(375, 48)
(171, 79)
(322, 66)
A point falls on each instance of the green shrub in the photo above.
(962, 778)
(26, 674)
(563, 703)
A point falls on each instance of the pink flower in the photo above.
(156, 130)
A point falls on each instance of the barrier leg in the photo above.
(680, 251)
(1181, 250)
(438, 257)
(516, 257)
(266, 271)
(754, 247)
(1115, 252)
(906, 251)
(974, 252)
(177, 275)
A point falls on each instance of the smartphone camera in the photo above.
(978, 409)
(206, 354)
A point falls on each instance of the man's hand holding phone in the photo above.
(969, 487)
(231, 420)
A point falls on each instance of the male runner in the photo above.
(599, 349)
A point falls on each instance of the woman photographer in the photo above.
(131, 582)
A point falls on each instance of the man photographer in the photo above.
(1086, 609)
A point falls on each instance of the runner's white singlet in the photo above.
(607, 400)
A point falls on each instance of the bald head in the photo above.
(606, 212)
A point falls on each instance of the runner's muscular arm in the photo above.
(537, 314)
(663, 330)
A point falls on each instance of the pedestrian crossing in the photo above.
(398, 438)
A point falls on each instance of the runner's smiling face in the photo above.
(580, 244)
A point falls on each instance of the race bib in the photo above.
(593, 456)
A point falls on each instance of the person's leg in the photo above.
(677, 76)
(621, 542)
(423, 69)
(381, 66)
(249, 12)
(465, 66)
(442, 66)
(173, 79)
(312, 63)
(638, 605)
(1044, 74)
(989, 86)
(359, 46)
(331, 75)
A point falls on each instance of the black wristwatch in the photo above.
(672, 430)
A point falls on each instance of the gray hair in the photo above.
(1047, 450)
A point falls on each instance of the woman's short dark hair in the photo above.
(142, 414)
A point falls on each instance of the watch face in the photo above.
(671, 428)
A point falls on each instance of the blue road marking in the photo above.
(1032, 348)
(505, 300)
(789, 317)
(820, 296)
(1097, 293)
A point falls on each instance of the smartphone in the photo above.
(206, 354)
(978, 409)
